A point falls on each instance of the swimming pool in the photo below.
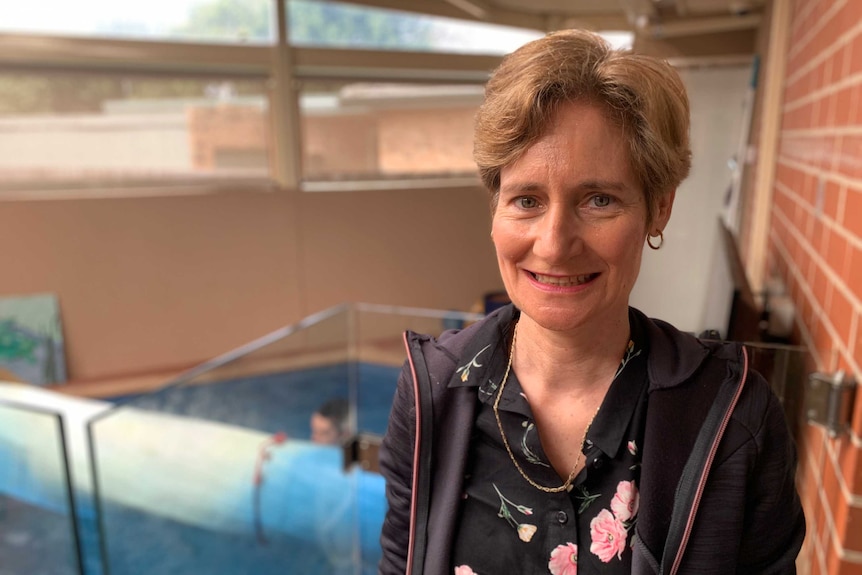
(215, 473)
(175, 489)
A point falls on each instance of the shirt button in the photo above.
(598, 462)
(562, 517)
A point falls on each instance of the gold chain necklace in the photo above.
(567, 485)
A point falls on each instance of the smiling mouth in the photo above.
(563, 281)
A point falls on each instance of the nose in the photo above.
(558, 234)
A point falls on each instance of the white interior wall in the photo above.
(674, 282)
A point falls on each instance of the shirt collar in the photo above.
(483, 363)
(486, 349)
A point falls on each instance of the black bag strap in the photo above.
(693, 479)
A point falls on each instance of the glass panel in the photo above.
(380, 354)
(217, 473)
(783, 366)
(97, 128)
(359, 131)
(229, 21)
(344, 25)
(37, 521)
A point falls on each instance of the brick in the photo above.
(852, 219)
(823, 344)
(851, 532)
(845, 19)
(837, 566)
(808, 189)
(856, 54)
(836, 153)
(809, 493)
(819, 285)
(855, 115)
(857, 421)
(814, 439)
(822, 118)
(843, 106)
(850, 459)
(831, 195)
(810, 115)
(818, 236)
(813, 563)
(841, 315)
(837, 59)
(857, 350)
(836, 253)
(853, 272)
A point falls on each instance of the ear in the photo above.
(664, 206)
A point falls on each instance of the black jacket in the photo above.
(717, 489)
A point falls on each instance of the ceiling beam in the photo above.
(698, 26)
(476, 9)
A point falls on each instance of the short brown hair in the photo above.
(644, 95)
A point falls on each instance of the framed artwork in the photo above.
(31, 340)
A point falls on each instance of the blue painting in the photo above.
(31, 340)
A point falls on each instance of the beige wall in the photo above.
(152, 284)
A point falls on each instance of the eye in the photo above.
(601, 201)
(526, 202)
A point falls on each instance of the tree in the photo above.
(318, 23)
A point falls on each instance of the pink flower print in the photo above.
(608, 535)
(564, 560)
(633, 447)
(625, 502)
(464, 570)
(526, 532)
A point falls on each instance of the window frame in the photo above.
(281, 65)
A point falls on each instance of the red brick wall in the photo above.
(815, 246)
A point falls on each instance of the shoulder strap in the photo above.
(696, 470)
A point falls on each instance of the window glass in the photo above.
(227, 21)
(67, 129)
(343, 25)
(358, 131)
(317, 23)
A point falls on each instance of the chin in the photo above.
(557, 320)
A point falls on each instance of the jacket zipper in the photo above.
(706, 468)
(415, 483)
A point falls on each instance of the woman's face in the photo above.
(571, 221)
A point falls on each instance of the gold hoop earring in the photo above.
(660, 237)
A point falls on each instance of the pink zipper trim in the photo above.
(415, 489)
(702, 483)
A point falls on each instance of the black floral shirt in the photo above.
(508, 526)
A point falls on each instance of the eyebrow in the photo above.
(591, 185)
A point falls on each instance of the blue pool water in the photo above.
(338, 515)
(281, 401)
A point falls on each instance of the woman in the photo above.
(567, 433)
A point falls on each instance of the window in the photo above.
(342, 25)
(387, 131)
(61, 129)
(228, 21)
(99, 94)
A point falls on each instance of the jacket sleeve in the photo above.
(774, 520)
(396, 465)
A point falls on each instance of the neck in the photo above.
(580, 361)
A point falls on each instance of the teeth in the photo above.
(563, 281)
